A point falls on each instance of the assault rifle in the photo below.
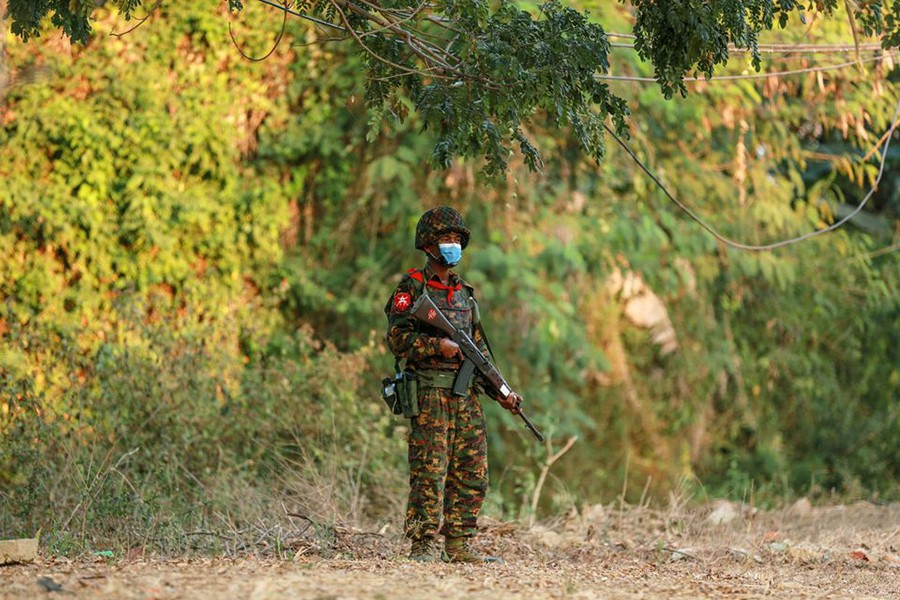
(426, 311)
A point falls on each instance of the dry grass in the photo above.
(598, 552)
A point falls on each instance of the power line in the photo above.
(656, 180)
(762, 75)
(764, 48)
(779, 244)
(773, 45)
(786, 48)
(288, 10)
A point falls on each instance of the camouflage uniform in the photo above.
(448, 439)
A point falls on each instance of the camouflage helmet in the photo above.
(437, 222)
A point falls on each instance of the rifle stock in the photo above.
(426, 311)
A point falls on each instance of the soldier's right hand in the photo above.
(450, 349)
(511, 402)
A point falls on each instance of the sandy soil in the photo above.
(722, 551)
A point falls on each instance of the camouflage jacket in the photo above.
(420, 343)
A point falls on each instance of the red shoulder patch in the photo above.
(402, 301)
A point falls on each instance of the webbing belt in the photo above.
(438, 379)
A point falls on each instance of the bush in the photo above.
(172, 431)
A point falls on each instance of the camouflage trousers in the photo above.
(448, 471)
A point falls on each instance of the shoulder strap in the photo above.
(487, 342)
(477, 322)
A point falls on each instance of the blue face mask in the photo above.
(451, 254)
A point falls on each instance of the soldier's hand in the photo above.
(450, 349)
(512, 402)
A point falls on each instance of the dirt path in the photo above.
(840, 552)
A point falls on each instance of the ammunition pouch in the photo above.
(401, 393)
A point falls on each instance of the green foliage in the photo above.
(682, 36)
(194, 257)
(478, 73)
(171, 423)
(517, 65)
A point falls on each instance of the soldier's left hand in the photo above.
(512, 402)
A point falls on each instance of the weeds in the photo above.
(172, 443)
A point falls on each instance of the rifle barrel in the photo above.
(531, 426)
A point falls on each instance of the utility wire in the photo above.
(785, 49)
(779, 244)
(849, 45)
(678, 203)
(765, 48)
(288, 10)
(762, 75)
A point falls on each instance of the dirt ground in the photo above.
(724, 550)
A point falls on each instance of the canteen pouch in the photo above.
(401, 393)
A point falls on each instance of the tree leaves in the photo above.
(480, 73)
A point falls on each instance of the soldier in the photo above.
(448, 439)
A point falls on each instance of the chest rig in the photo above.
(457, 303)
